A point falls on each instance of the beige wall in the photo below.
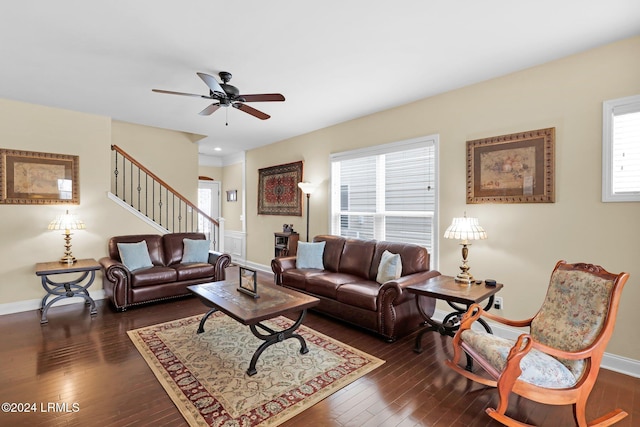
(25, 239)
(232, 211)
(525, 240)
(230, 177)
(212, 172)
(170, 155)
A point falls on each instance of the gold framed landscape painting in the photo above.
(514, 168)
(33, 178)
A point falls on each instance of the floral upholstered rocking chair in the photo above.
(557, 362)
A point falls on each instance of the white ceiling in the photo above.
(333, 60)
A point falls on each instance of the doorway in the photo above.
(209, 203)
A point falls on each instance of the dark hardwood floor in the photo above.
(91, 365)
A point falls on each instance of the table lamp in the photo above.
(465, 229)
(67, 222)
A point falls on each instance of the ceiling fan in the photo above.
(226, 95)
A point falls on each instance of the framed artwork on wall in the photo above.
(278, 192)
(32, 178)
(515, 168)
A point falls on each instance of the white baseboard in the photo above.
(34, 304)
(613, 362)
(260, 267)
(235, 245)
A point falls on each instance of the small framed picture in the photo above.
(248, 283)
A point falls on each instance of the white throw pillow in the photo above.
(195, 250)
(310, 255)
(135, 256)
(390, 267)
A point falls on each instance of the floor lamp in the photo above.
(307, 188)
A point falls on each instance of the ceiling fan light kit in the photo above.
(226, 95)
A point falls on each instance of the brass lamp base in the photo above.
(464, 276)
(68, 258)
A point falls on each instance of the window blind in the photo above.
(621, 150)
(386, 192)
(626, 152)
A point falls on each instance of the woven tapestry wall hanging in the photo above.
(278, 192)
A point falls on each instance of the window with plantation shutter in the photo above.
(621, 150)
(387, 192)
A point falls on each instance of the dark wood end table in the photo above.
(67, 289)
(273, 302)
(454, 293)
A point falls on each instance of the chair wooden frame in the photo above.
(507, 381)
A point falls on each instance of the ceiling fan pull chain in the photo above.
(226, 117)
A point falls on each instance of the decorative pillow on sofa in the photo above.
(195, 250)
(135, 256)
(390, 267)
(310, 255)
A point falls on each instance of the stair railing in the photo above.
(145, 192)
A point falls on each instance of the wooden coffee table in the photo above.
(273, 301)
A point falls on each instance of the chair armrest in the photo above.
(499, 319)
(556, 352)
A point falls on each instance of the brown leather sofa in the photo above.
(347, 286)
(167, 278)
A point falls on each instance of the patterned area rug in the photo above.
(205, 374)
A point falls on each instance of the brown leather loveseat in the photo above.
(347, 288)
(166, 276)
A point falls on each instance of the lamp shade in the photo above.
(465, 229)
(66, 221)
(307, 187)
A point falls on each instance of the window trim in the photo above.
(390, 148)
(609, 108)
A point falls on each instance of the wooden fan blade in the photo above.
(250, 110)
(212, 83)
(210, 109)
(170, 92)
(262, 97)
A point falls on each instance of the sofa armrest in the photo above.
(395, 304)
(279, 265)
(220, 262)
(409, 280)
(116, 281)
(112, 266)
(393, 292)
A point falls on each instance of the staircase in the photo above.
(145, 195)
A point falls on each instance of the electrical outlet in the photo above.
(497, 303)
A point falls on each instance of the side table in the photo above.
(67, 289)
(447, 289)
